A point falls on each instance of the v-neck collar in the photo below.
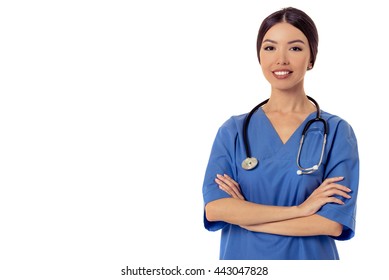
(297, 133)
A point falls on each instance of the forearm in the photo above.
(244, 213)
(303, 226)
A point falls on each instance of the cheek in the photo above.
(265, 62)
(262, 59)
(303, 62)
(266, 71)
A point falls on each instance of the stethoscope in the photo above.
(251, 162)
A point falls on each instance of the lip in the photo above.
(282, 73)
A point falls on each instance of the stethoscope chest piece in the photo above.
(249, 163)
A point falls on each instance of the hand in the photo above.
(227, 184)
(324, 194)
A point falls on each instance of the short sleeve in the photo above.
(221, 161)
(343, 160)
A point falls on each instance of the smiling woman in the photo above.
(268, 211)
(285, 55)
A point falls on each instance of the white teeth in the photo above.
(281, 73)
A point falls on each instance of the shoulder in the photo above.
(231, 128)
(234, 123)
(338, 125)
(334, 119)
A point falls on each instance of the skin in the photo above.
(284, 49)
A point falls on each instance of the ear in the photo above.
(310, 66)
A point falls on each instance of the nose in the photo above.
(282, 58)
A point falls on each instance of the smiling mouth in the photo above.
(282, 74)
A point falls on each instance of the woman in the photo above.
(270, 211)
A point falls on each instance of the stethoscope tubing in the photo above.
(251, 162)
(246, 125)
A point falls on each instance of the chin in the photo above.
(286, 85)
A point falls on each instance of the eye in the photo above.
(268, 48)
(296, 49)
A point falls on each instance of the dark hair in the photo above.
(298, 19)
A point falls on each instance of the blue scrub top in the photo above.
(275, 182)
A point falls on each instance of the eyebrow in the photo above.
(290, 42)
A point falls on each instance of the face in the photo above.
(285, 57)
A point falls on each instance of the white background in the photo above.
(108, 111)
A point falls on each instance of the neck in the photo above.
(286, 102)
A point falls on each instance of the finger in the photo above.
(334, 200)
(338, 187)
(330, 181)
(231, 190)
(334, 179)
(225, 190)
(225, 187)
(239, 195)
(337, 192)
(234, 186)
(232, 180)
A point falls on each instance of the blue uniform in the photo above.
(275, 182)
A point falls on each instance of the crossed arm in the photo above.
(300, 220)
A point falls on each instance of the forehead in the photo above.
(284, 32)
